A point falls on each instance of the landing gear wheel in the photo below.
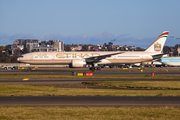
(95, 68)
(92, 68)
(98, 68)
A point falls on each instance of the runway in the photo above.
(41, 81)
(106, 72)
(91, 101)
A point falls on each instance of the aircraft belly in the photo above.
(172, 63)
(46, 62)
(124, 61)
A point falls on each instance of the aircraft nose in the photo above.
(17, 59)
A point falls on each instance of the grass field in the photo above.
(40, 90)
(138, 84)
(89, 113)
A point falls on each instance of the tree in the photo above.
(139, 49)
(14, 59)
(84, 48)
(17, 52)
(175, 53)
(105, 44)
(167, 49)
(7, 52)
(67, 48)
(2, 47)
(4, 58)
(110, 43)
(25, 50)
(110, 46)
(8, 47)
(177, 45)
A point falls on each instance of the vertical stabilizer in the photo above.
(158, 44)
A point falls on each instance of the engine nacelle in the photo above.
(78, 63)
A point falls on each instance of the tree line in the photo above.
(6, 54)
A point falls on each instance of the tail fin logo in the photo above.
(157, 47)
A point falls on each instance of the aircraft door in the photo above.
(31, 58)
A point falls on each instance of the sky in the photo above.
(130, 22)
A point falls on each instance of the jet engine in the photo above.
(77, 63)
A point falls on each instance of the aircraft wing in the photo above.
(157, 56)
(98, 58)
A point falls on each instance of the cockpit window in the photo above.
(21, 56)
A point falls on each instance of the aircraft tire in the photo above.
(98, 68)
(91, 68)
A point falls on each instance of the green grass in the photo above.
(138, 84)
(89, 113)
(40, 90)
(95, 76)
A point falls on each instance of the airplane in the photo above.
(171, 61)
(81, 59)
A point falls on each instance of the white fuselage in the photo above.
(67, 57)
(172, 61)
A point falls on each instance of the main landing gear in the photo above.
(95, 68)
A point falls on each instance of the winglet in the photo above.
(158, 44)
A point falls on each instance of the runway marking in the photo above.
(25, 79)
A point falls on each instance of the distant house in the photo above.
(76, 48)
(90, 47)
(3, 51)
(178, 49)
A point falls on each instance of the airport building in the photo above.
(51, 46)
(35, 45)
